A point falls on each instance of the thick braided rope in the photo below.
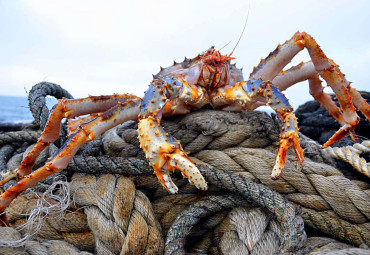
(49, 216)
(6, 152)
(36, 99)
(325, 245)
(317, 192)
(342, 204)
(317, 188)
(36, 247)
(120, 217)
(184, 223)
(351, 154)
(242, 230)
(253, 232)
(27, 136)
(293, 230)
(247, 230)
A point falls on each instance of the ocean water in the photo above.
(15, 109)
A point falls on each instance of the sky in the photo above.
(105, 47)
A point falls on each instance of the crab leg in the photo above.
(301, 72)
(249, 95)
(65, 108)
(116, 115)
(270, 67)
(164, 152)
(359, 101)
(336, 80)
(289, 136)
(306, 71)
(75, 123)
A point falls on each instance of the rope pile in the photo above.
(124, 210)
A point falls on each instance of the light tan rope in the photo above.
(120, 217)
(351, 154)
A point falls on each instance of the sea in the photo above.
(15, 110)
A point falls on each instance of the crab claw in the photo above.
(288, 138)
(165, 154)
(7, 176)
(341, 133)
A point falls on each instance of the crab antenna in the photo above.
(224, 46)
(245, 24)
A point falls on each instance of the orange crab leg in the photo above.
(306, 71)
(289, 135)
(317, 91)
(75, 123)
(293, 75)
(359, 102)
(269, 68)
(272, 65)
(288, 138)
(116, 115)
(336, 80)
(251, 94)
(65, 108)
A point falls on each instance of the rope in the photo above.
(332, 194)
(6, 152)
(326, 246)
(175, 240)
(36, 100)
(26, 136)
(351, 154)
(305, 189)
(117, 218)
(50, 216)
(35, 247)
(235, 153)
(120, 216)
(248, 230)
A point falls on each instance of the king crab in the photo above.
(209, 78)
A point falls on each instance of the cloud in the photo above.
(95, 47)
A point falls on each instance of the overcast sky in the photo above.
(104, 47)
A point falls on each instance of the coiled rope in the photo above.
(234, 152)
(37, 102)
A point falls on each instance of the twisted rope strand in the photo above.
(351, 154)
